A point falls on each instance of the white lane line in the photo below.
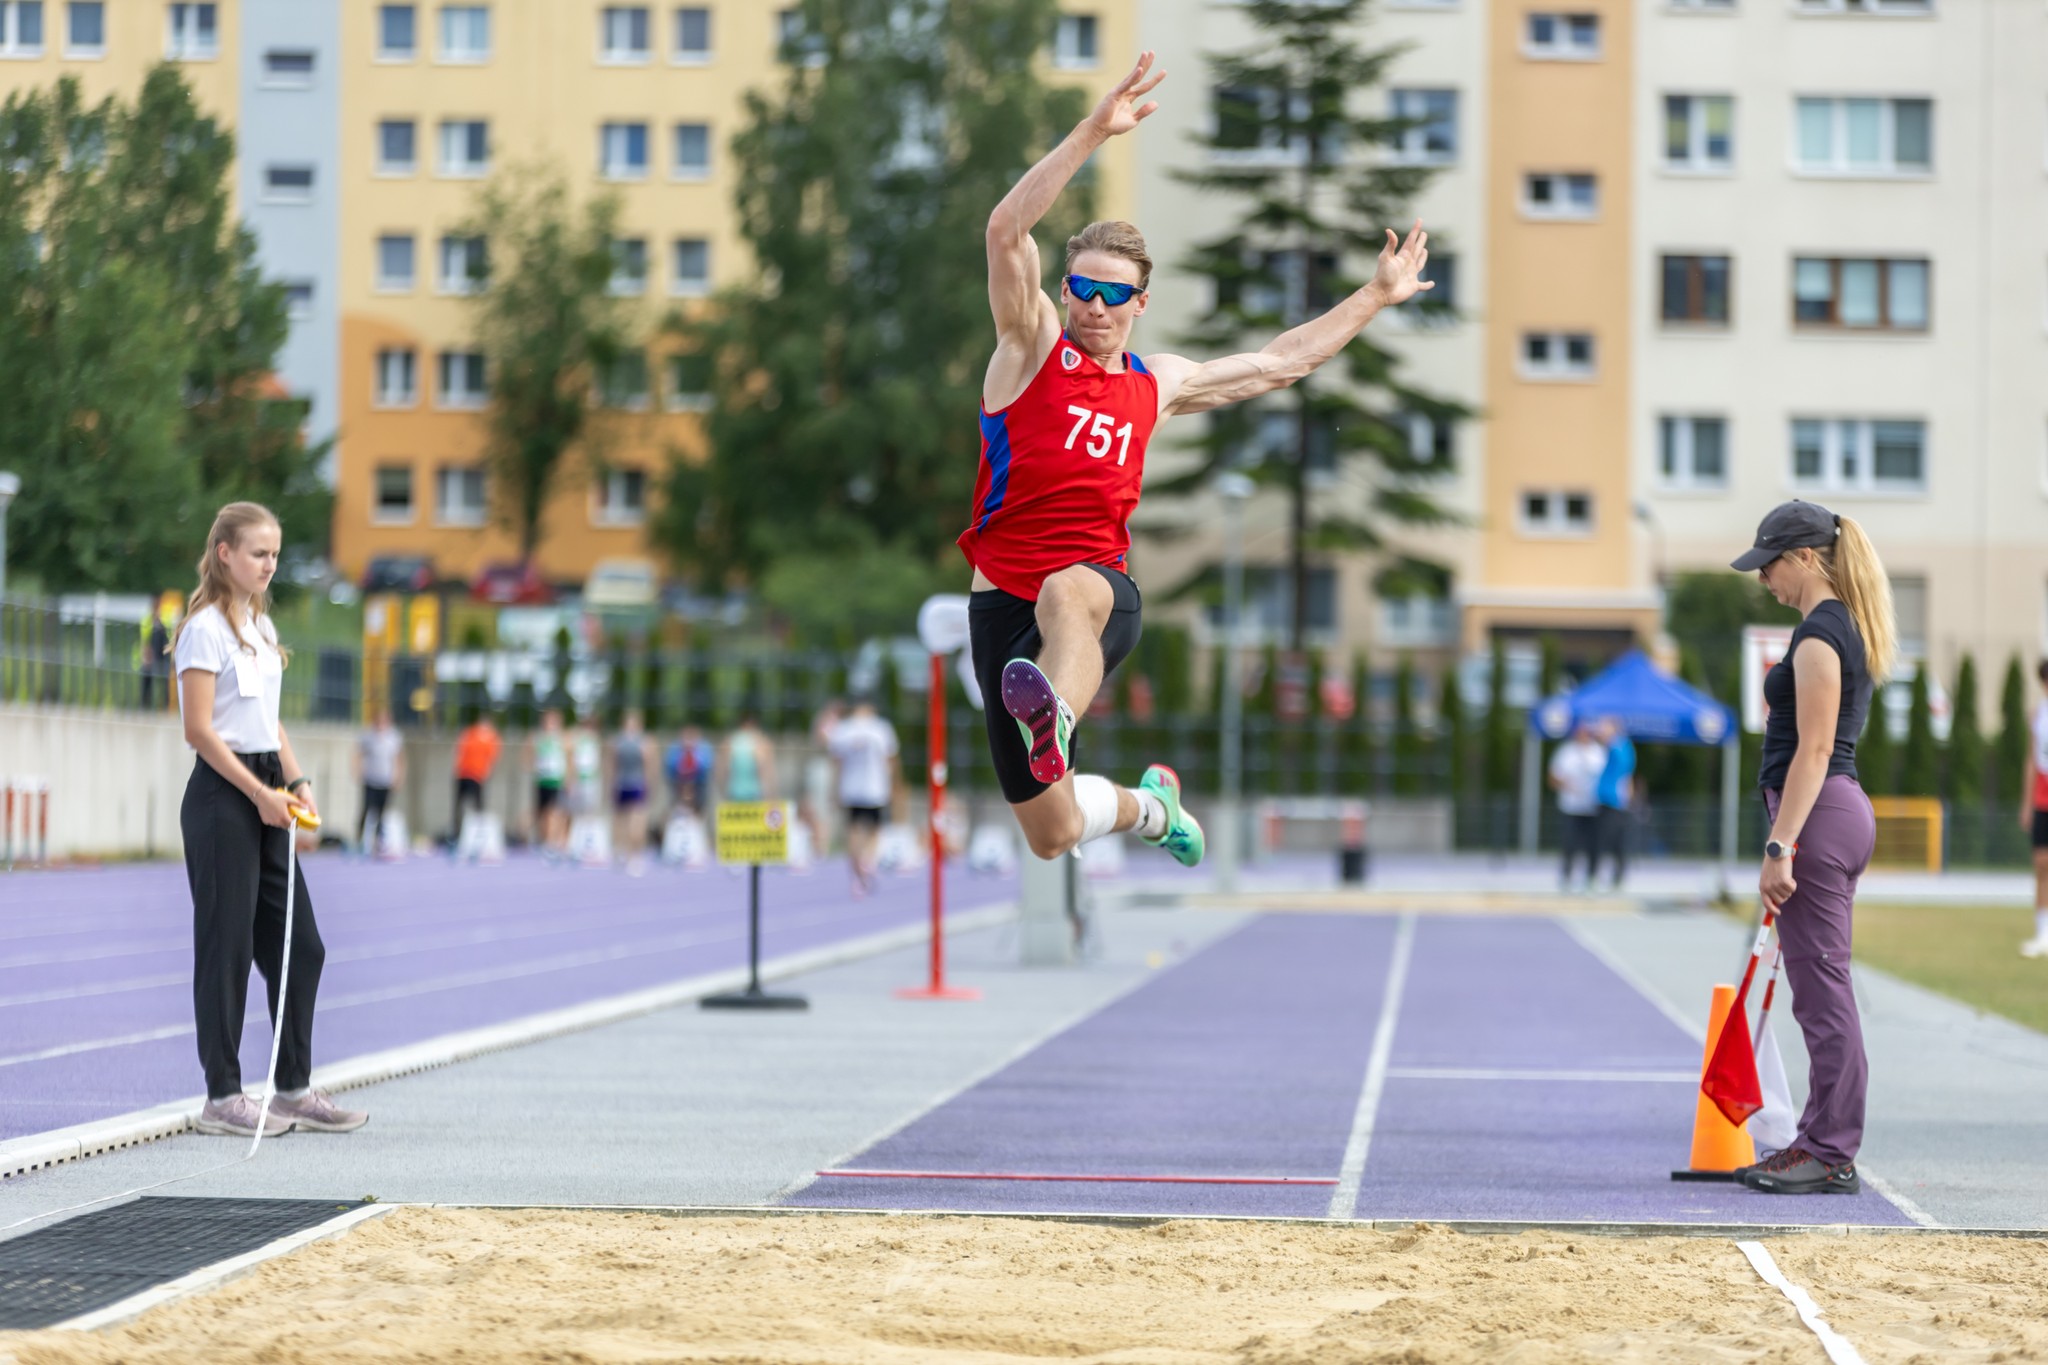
(1889, 1191)
(1344, 1199)
(1839, 1350)
(1451, 1073)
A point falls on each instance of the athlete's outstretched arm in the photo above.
(1188, 386)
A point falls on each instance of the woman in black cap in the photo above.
(1822, 829)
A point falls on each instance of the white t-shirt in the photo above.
(250, 681)
(1577, 768)
(2041, 755)
(865, 747)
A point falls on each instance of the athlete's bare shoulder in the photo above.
(1171, 371)
(1019, 355)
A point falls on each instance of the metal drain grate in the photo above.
(56, 1273)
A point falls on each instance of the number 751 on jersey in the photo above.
(1098, 426)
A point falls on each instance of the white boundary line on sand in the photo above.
(22, 1155)
(1839, 1350)
(211, 1276)
(1344, 1199)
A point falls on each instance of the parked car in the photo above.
(621, 583)
(512, 585)
(398, 573)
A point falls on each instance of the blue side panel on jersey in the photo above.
(996, 434)
(1135, 363)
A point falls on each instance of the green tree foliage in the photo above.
(2015, 737)
(1965, 778)
(1919, 763)
(1172, 669)
(1501, 736)
(848, 371)
(1408, 775)
(1877, 754)
(841, 599)
(1457, 732)
(138, 341)
(1354, 744)
(550, 331)
(1311, 226)
(1705, 613)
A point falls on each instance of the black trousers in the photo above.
(372, 818)
(1614, 839)
(236, 865)
(1581, 838)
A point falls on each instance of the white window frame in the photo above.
(382, 395)
(450, 511)
(1066, 55)
(450, 364)
(1700, 6)
(11, 45)
(607, 54)
(684, 288)
(1561, 208)
(1417, 621)
(398, 170)
(293, 309)
(1413, 149)
(291, 80)
(380, 517)
(1852, 437)
(1561, 48)
(607, 511)
(673, 397)
(1555, 524)
(617, 172)
(1556, 369)
(692, 175)
(73, 49)
(386, 284)
(290, 195)
(390, 55)
(459, 283)
(1680, 432)
(447, 167)
(1887, 167)
(181, 45)
(449, 55)
(1697, 159)
(622, 285)
(1867, 9)
(1884, 326)
(678, 55)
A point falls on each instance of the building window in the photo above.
(288, 184)
(1433, 138)
(622, 35)
(693, 151)
(1438, 305)
(465, 33)
(397, 268)
(298, 299)
(622, 498)
(1692, 452)
(289, 68)
(1725, 6)
(465, 148)
(1269, 602)
(194, 34)
(1420, 621)
(459, 495)
(464, 265)
(1699, 132)
(693, 35)
(397, 377)
(398, 150)
(1866, 6)
(1431, 447)
(1856, 456)
(623, 384)
(622, 151)
(461, 380)
(1568, 37)
(1546, 512)
(398, 38)
(1865, 136)
(1548, 194)
(689, 382)
(1696, 289)
(692, 268)
(1875, 295)
(794, 42)
(629, 266)
(393, 506)
(1074, 42)
(85, 35)
(21, 28)
(1557, 355)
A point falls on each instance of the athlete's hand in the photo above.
(1399, 275)
(1776, 883)
(1119, 110)
(275, 808)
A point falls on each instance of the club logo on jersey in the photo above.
(1069, 357)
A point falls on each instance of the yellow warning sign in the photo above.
(753, 833)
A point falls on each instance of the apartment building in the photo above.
(1708, 255)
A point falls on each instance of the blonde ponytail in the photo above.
(215, 588)
(1857, 575)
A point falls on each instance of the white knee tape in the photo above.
(1096, 796)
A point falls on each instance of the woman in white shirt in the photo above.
(245, 784)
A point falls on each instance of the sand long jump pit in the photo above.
(592, 1287)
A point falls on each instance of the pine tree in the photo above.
(1965, 786)
(1877, 755)
(2015, 737)
(1919, 764)
(1407, 734)
(1457, 739)
(1355, 743)
(1501, 738)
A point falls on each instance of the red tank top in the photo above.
(1060, 471)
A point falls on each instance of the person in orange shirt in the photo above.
(476, 753)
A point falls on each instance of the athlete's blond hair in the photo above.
(1112, 238)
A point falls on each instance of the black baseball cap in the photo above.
(1788, 526)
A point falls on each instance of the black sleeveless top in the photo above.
(1830, 623)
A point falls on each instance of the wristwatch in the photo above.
(1775, 850)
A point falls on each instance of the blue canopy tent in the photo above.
(1653, 707)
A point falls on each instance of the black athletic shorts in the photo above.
(2041, 829)
(858, 816)
(546, 796)
(1002, 627)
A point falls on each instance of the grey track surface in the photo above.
(1958, 1098)
(685, 1106)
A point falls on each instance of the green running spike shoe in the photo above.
(1183, 837)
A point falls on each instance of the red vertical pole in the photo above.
(936, 728)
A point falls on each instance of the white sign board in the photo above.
(1762, 648)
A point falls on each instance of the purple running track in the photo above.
(95, 966)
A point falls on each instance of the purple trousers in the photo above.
(1814, 930)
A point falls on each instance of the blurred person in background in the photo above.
(687, 764)
(865, 747)
(380, 766)
(548, 751)
(476, 755)
(1575, 776)
(2034, 818)
(632, 760)
(746, 763)
(1615, 791)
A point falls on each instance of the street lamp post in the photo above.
(1235, 490)
(10, 484)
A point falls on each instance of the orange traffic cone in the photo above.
(1718, 1146)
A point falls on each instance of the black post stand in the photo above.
(753, 998)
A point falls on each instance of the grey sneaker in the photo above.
(235, 1116)
(316, 1112)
